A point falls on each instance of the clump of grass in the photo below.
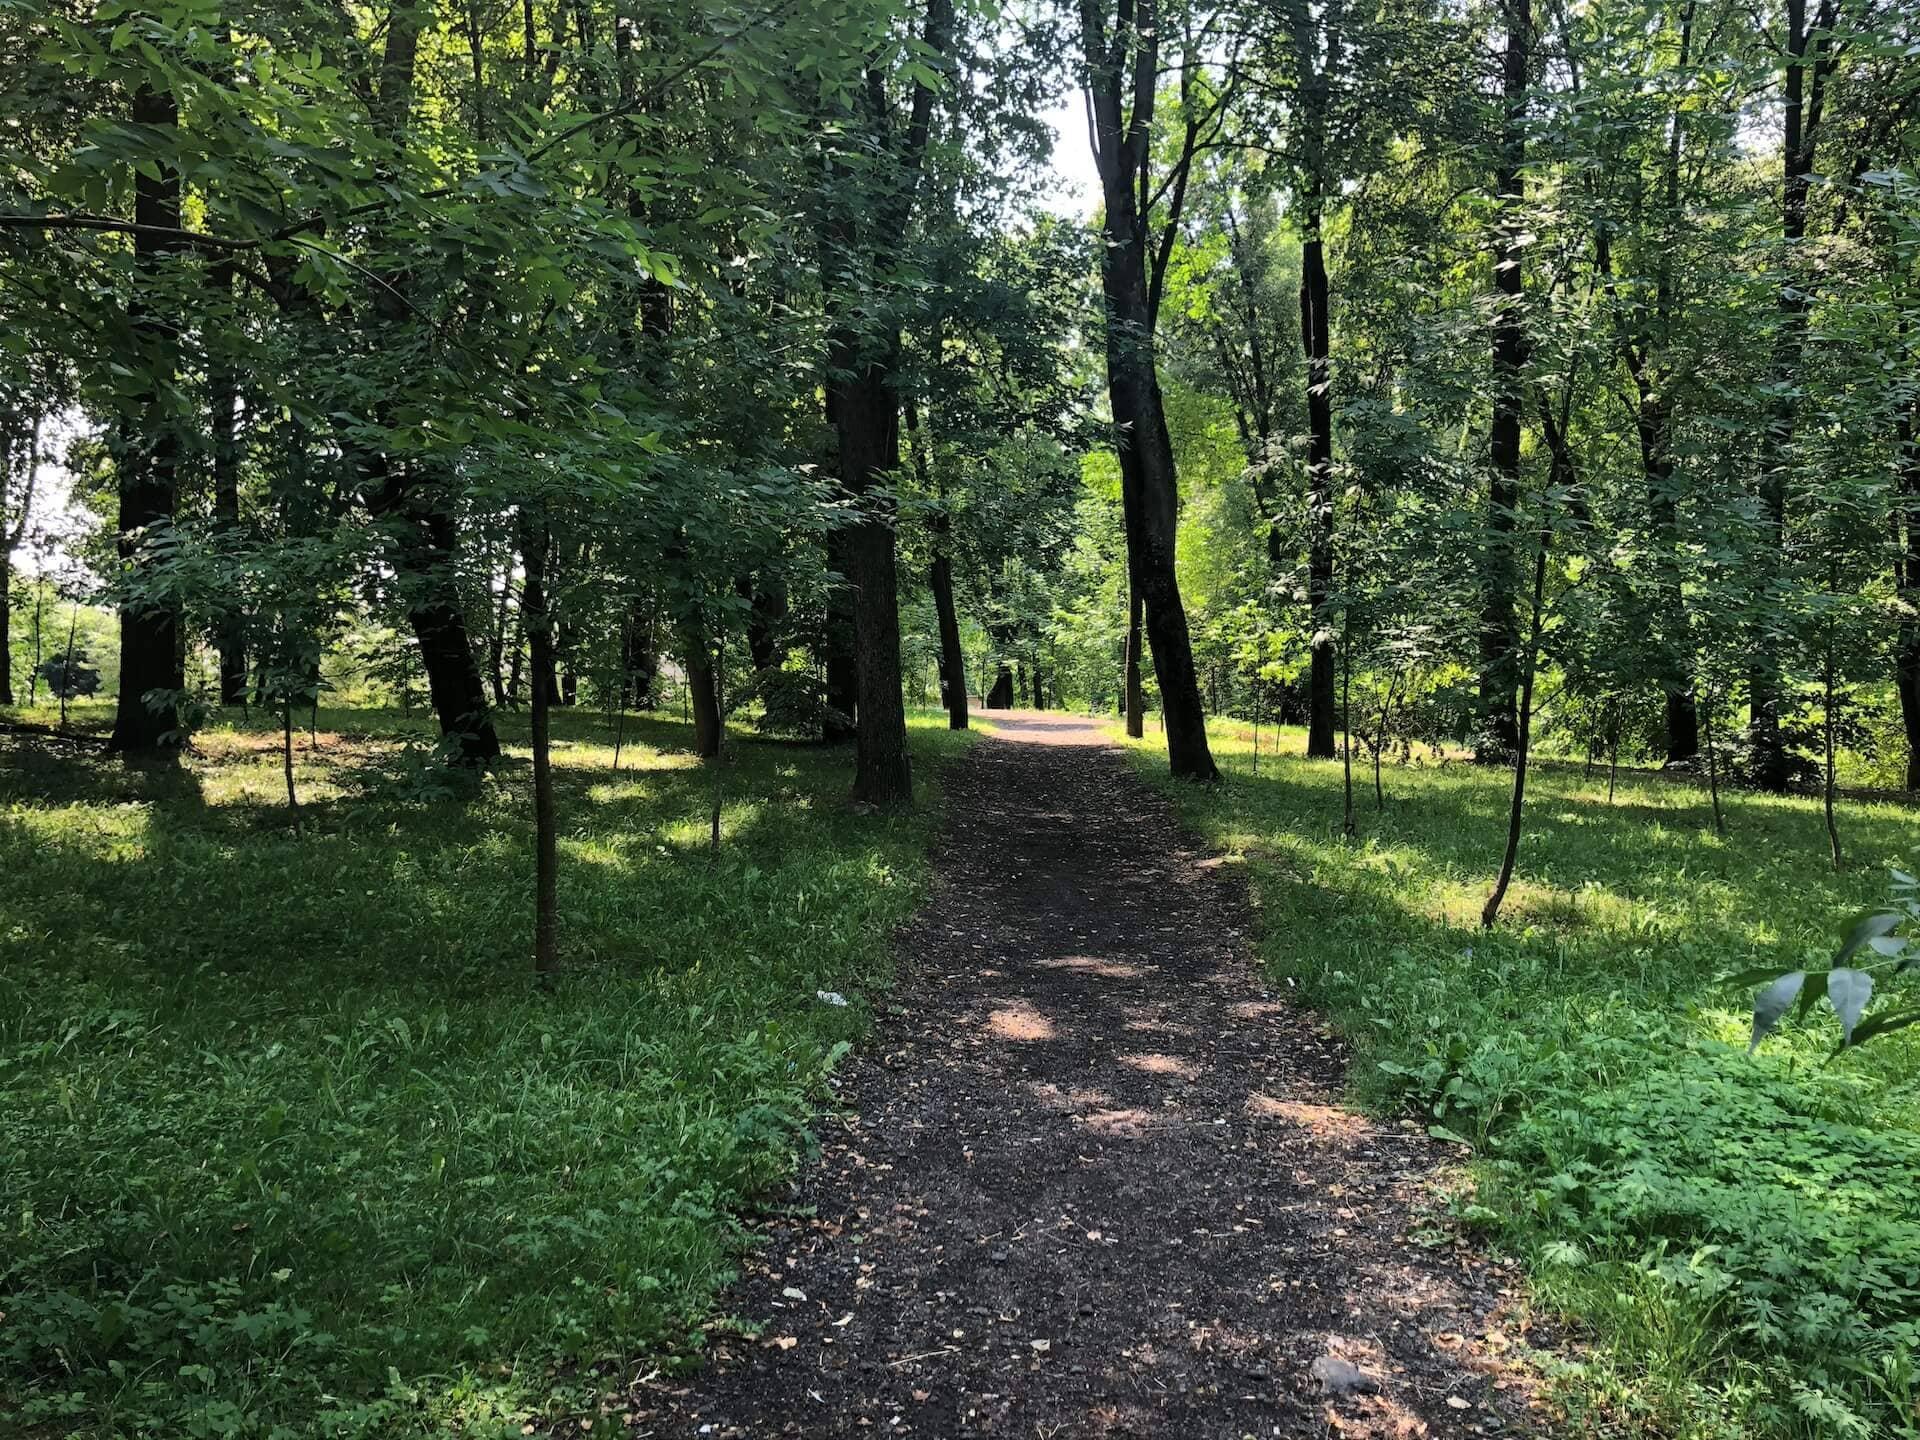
(1743, 1235)
(291, 1144)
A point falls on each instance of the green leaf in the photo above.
(1866, 929)
(1883, 1024)
(1772, 1003)
(1848, 992)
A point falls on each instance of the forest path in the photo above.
(1097, 1180)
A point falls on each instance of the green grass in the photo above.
(290, 1144)
(1740, 1238)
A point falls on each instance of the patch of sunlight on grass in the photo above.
(305, 1090)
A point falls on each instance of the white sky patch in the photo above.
(1074, 185)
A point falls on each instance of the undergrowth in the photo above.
(290, 1143)
(1740, 1236)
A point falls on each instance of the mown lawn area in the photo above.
(1737, 1238)
(290, 1142)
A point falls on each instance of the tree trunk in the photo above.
(866, 416)
(953, 665)
(1655, 424)
(1906, 580)
(1802, 119)
(1315, 336)
(223, 387)
(843, 670)
(7, 543)
(1516, 812)
(6, 605)
(148, 461)
(1499, 637)
(535, 545)
(766, 614)
(1130, 284)
(497, 638)
(702, 690)
(425, 559)
(1653, 421)
(640, 662)
(1133, 696)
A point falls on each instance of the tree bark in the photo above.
(1499, 635)
(702, 690)
(953, 663)
(1134, 698)
(535, 545)
(1802, 109)
(148, 461)
(766, 614)
(640, 662)
(1654, 423)
(1130, 276)
(223, 405)
(1315, 75)
(842, 668)
(426, 538)
(13, 530)
(1906, 579)
(1315, 336)
(866, 416)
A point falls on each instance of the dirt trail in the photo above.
(1096, 1181)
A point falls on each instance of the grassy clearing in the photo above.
(1742, 1235)
(289, 1142)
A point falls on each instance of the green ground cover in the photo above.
(1739, 1237)
(290, 1144)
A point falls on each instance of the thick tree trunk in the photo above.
(866, 416)
(1499, 634)
(148, 461)
(1316, 338)
(425, 558)
(703, 691)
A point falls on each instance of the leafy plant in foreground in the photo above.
(1849, 987)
